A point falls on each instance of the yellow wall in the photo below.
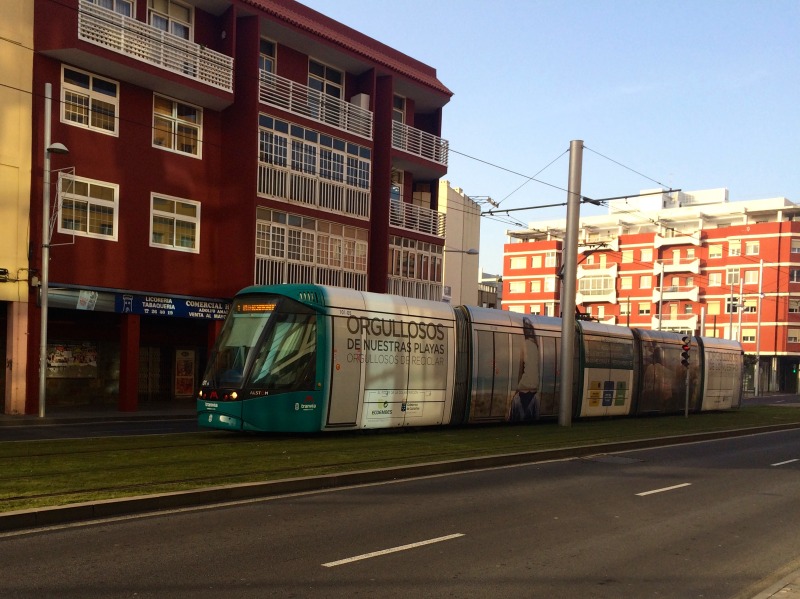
(16, 81)
(16, 75)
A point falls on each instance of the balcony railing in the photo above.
(681, 265)
(422, 144)
(676, 292)
(306, 188)
(140, 41)
(300, 99)
(416, 218)
(676, 322)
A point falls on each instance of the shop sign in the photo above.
(157, 305)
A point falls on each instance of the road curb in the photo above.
(208, 496)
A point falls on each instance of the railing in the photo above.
(415, 218)
(422, 144)
(140, 41)
(301, 188)
(271, 271)
(416, 289)
(300, 99)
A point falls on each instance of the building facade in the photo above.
(213, 144)
(463, 238)
(689, 262)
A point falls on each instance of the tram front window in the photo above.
(287, 357)
(241, 333)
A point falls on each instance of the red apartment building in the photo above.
(216, 144)
(690, 262)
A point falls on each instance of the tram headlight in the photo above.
(234, 395)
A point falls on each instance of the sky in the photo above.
(685, 94)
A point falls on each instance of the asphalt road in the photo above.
(713, 520)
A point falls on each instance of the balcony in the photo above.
(681, 265)
(660, 241)
(140, 41)
(419, 143)
(605, 243)
(596, 270)
(675, 322)
(300, 99)
(416, 218)
(676, 292)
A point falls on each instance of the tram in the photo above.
(310, 358)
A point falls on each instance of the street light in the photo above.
(469, 252)
(49, 148)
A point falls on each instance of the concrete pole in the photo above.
(569, 287)
(660, 295)
(740, 307)
(43, 291)
(758, 327)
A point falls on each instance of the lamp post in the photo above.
(49, 148)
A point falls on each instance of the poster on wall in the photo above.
(184, 372)
(72, 360)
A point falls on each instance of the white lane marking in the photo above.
(392, 550)
(786, 462)
(672, 488)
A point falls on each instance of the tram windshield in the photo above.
(272, 337)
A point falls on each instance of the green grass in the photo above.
(47, 473)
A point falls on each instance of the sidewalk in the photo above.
(89, 413)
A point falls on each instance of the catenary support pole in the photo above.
(568, 287)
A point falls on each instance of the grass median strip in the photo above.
(59, 472)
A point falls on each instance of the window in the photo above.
(599, 285)
(647, 255)
(645, 282)
(325, 79)
(399, 109)
(536, 261)
(688, 309)
(794, 306)
(89, 101)
(751, 277)
(625, 308)
(714, 279)
(690, 253)
(734, 248)
(796, 246)
(550, 284)
(748, 335)
(644, 309)
(732, 276)
(517, 262)
(122, 7)
(626, 283)
(627, 256)
(551, 259)
(536, 309)
(752, 248)
(794, 275)
(793, 336)
(175, 224)
(266, 57)
(517, 309)
(177, 126)
(712, 308)
(715, 251)
(170, 16)
(87, 208)
(550, 309)
(750, 306)
(516, 287)
(328, 83)
(536, 286)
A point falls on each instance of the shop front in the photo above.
(131, 351)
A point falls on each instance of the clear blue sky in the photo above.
(692, 94)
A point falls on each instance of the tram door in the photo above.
(490, 397)
(154, 375)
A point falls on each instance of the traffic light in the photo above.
(686, 341)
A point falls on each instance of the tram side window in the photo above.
(287, 358)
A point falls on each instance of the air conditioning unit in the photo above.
(361, 100)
